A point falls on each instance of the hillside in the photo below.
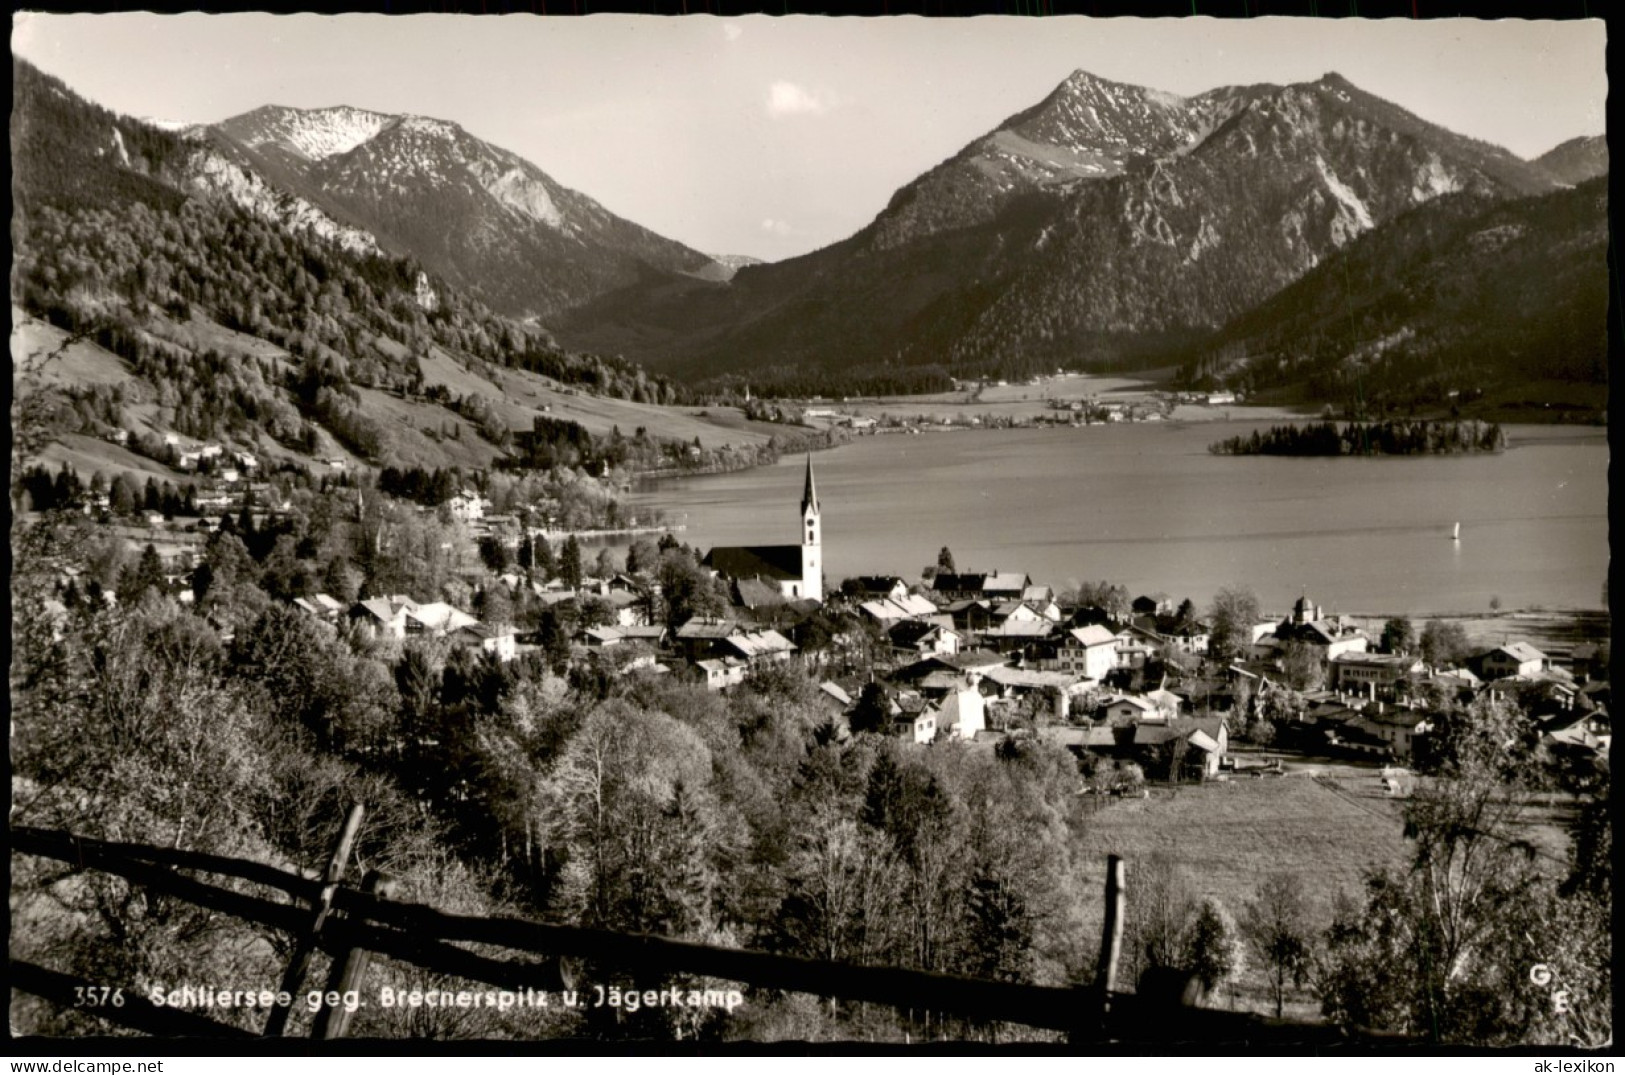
(1576, 160)
(1463, 301)
(1104, 227)
(163, 287)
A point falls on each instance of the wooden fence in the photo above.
(350, 923)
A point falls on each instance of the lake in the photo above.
(1145, 505)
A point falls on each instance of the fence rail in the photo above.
(342, 920)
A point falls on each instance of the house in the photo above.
(1015, 631)
(631, 609)
(467, 506)
(1206, 739)
(599, 637)
(876, 587)
(961, 713)
(1089, 652)
(909, 606)
(971, 615)
(1166, 702)
(1578, 732)
(494, 640)
(1397, 727)
(758, 647)
(1157, 604)
(721, 672)
(914, 720)
(920, 639)
(1371, 673)
(948, 587)
(1512, 659)
(321, 606)
(1306, 624)
(1054, 690)
(797, 571)
(951, 664)
(1135, 646)
(383, 616)
(1192, 638)
(699, 638)
(1126, 709)
(834, 697)
(436, 619)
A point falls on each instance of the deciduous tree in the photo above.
(1276, 923)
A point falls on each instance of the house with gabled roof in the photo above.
(1511, 659)
(437, 619)
(1207, 740)
(1089, 652)
(700, 637)
(722, 672)
(913, 718)
(991, 585)
(757, 647)
(876, 587)
(961, 714)
(917, 638)
(497, 641)
(384, 616)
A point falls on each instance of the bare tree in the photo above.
(1277, 926)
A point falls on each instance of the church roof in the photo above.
(809, 495)
(778, 562)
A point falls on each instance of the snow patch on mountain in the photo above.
(426, 125)
(213, 174)
(118, 147)
(322, 133)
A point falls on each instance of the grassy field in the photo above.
(1328, 822)
(1228, 837)
(1023, 400)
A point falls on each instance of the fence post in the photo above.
(347, 971)
(305, 944)
(1111, 939)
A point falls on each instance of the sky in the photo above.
(773, 136)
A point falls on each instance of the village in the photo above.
(1141, 691)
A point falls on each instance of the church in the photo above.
(796, 571)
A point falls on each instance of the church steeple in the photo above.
(809, 497)
(812, 553)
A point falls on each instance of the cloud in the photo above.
(732, 30)
(789, 99)
(777, 227)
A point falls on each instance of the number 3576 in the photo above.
(97, 996)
